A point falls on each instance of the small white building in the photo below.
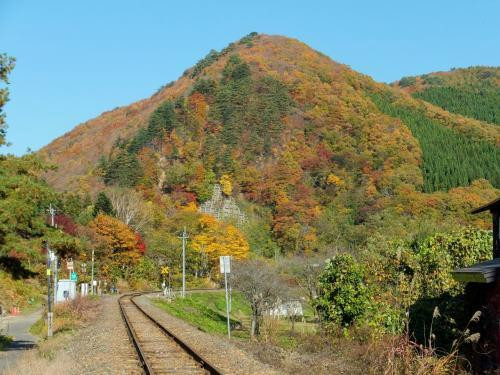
(287, 309)
(66, 290)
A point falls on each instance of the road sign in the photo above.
(225, 264)
(73, 276)
(69, 265)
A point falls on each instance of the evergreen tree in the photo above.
(124, 170)
(450, 159)
(103, 205)
(6, 65)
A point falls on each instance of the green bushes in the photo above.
(4, 341)
(342, 294)
(391, 281)
(440, 254)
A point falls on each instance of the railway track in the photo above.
(159, 351)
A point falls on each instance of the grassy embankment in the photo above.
(207, 311)
(68, 316)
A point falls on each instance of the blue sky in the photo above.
(76, 60)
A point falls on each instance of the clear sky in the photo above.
(77, 59)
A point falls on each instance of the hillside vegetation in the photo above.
(309, 140)
(473, 92)
(314, 160)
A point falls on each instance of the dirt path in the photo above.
(17, 327)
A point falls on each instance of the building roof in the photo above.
(492, 206)
(484, 272)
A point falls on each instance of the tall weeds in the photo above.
(405, 356)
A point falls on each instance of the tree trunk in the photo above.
(254, 331)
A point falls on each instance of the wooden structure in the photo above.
(483, 292)
(485, 272)
(494, 208)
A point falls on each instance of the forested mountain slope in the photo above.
(321, 148)
(473, 92)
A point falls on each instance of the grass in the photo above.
(4, 341)
(68, 316)
(207, 311)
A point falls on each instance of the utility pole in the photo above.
(184, 238)
(54, 261)
(49, 298)
(52, 213)
(92, 277)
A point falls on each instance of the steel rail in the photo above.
(131, 333)
(210, 368)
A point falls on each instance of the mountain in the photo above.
(315, 148)
(473, 92)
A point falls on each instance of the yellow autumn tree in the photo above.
(226, 184)
(216, 238)
(334, 180)
(118, 240)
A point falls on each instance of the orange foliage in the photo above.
(120, 242)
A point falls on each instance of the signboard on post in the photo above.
(69, 264)
(225, 264)
(225, 268)
(73, 276)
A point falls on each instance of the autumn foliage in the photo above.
(325, 155)
(119, 242)
(216, 238)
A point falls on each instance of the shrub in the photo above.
(407, 81)
(342, 294)
(4, 341)
(440, 254)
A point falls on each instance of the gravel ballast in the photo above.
(217, 350)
